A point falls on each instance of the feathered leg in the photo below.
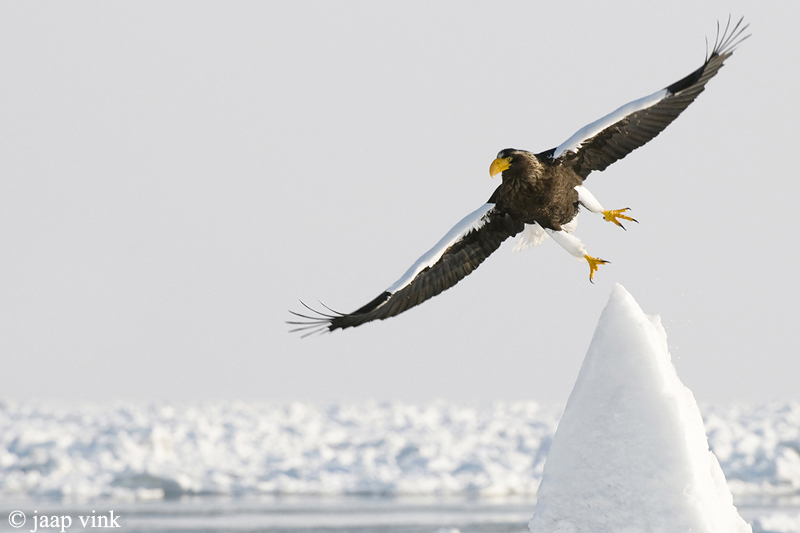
(588, 201)
(573, 245)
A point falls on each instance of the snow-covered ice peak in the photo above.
(630, 452)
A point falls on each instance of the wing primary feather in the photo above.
(318, 312)
(335, 312)
(302, 316)
(317, 330)
(729, 41)
(312, 324)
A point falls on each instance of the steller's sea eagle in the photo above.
(540, 195)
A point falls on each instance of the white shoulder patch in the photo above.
(473, 221)
(590, 130)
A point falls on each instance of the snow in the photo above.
(630, 452)
(777, 523)
(156, 451)
(132, 451)
(128, 451)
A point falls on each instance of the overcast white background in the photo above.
(175, 176)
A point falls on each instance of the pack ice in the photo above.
(630, 453)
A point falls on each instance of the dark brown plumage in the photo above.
(539, 192)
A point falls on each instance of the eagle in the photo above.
(540, 195)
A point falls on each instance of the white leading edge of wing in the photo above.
(473, 221)
(590, 130)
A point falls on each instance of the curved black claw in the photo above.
(612, 215)
(594, 264)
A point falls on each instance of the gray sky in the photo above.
(175, 176)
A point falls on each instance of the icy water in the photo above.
(320, 515)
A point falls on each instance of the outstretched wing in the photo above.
(614, 136)
(457, 254)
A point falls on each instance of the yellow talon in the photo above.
(594, 263)
(613, 214)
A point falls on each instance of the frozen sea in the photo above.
(384, 467)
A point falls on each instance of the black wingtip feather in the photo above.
(319, 322)
(726, 43)
(315, 311)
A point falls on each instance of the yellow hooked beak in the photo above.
(499, 165)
